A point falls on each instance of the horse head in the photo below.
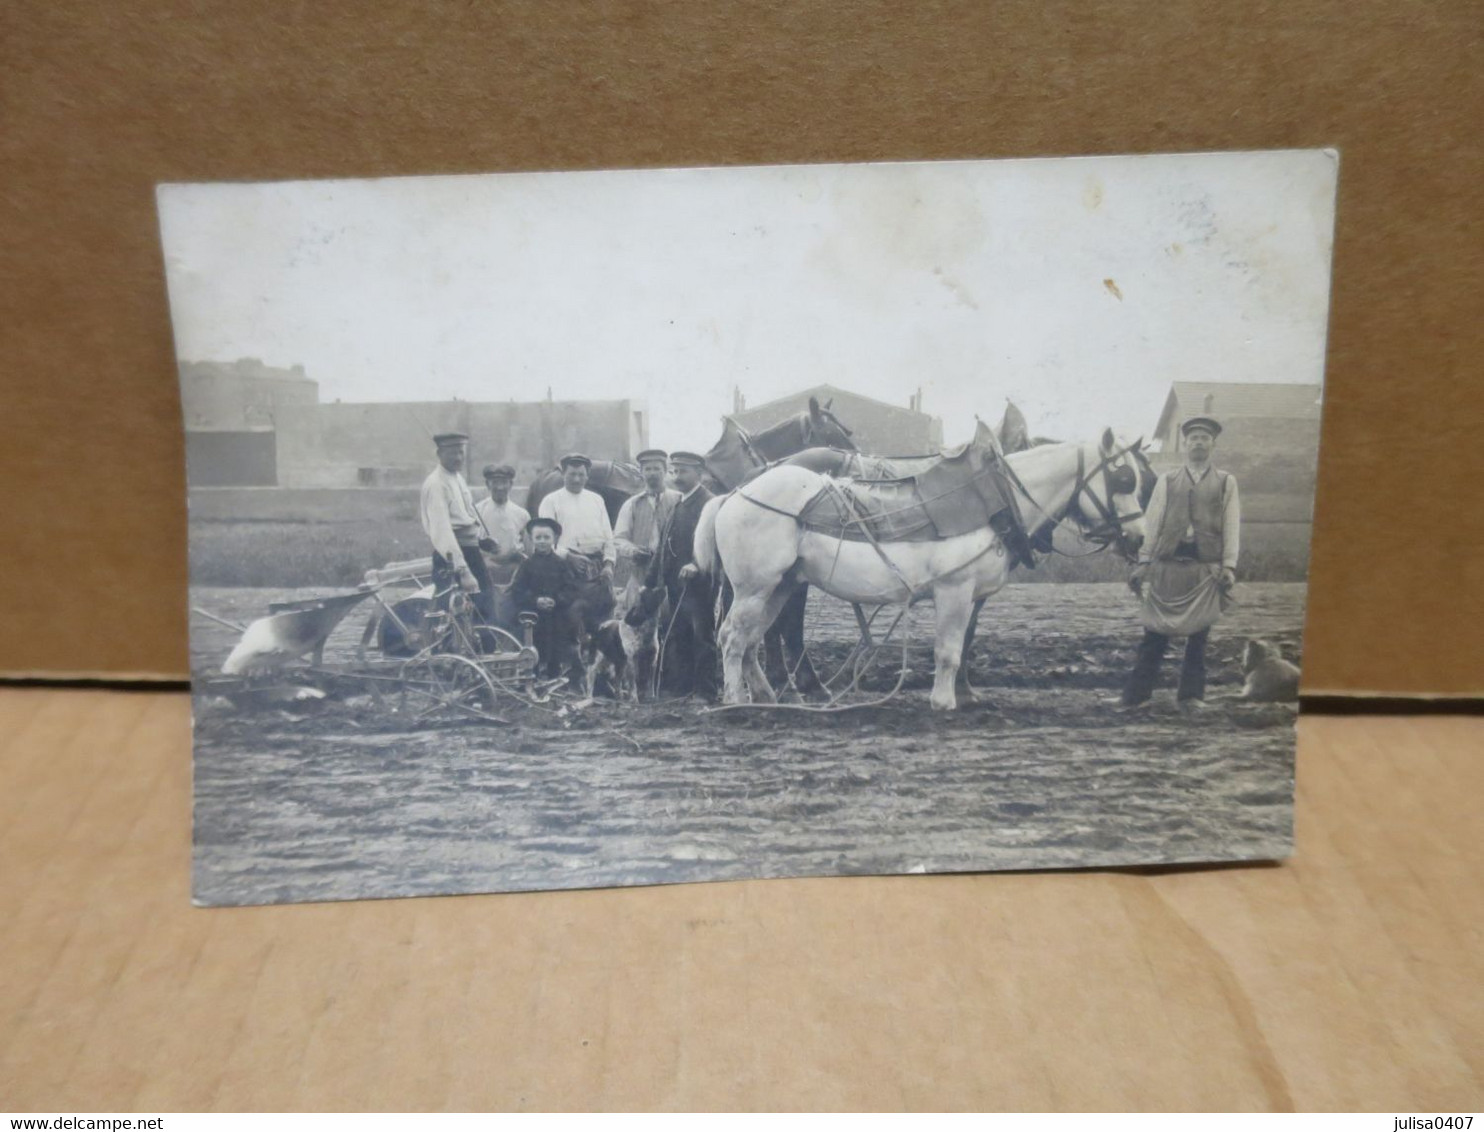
(740, 454)
(1108, 500)
(822, 429)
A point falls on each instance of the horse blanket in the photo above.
(957, 493)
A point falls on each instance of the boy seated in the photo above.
(547, 585)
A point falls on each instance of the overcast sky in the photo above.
(1078, 287)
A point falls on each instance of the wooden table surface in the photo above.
(1351, 977)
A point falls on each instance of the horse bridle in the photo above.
(1120, 480)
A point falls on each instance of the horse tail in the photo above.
(707, 559)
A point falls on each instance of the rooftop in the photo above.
(1230, 400)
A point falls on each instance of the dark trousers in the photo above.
(1152, 651)
(690, 650)
(556, 642)
(444, 577)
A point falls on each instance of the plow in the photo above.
(422, 655)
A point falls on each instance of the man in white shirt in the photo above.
(503, 522)
(587, 537)
(449, 520)
(636, 535)
(503, 525)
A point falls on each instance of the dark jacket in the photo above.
(544, 575)
(677, 542)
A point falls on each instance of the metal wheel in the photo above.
(446, 686)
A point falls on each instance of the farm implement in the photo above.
(421, 655)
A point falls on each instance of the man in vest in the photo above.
(636, 535)
(448, 518)
(1187, 566)
(690, 651)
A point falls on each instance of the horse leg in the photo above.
(791, 623)
(759, 687)
(757, 679)
(739, 634)
(775, 662)
(954, 604)
(787, 658)
(964, 689)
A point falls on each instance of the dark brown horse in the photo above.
(614, 481)
(739, 455)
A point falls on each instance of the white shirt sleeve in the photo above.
(624, 530)
(1154, 517)
(522, 517)
(436, 522)
(1231, 525)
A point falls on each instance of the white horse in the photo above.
(767, 553)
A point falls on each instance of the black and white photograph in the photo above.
(583, 529)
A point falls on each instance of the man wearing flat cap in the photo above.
(1187, 565)
(586, 537)
(636, 535)
(503, 523)
(690, 650)
(450, 522)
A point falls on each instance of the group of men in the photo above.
(563, 565)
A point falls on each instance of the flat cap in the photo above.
(575, 458)
(651, 454)
(443, 438)
(551, 524)
(493, 470)
(1210, 424)
(688, 458)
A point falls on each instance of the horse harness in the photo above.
(849, 514)
(1119, 480)
(949, 498)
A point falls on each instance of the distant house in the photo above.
(878, 427)
(1256, 420)
(231, 415)
(1270, 442)
(251, 425)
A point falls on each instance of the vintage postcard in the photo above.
(556, 530)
